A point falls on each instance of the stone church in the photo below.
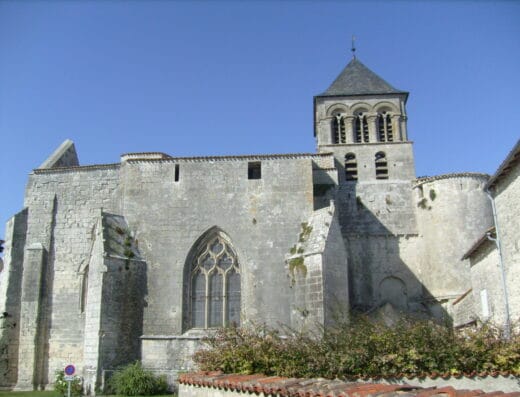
(111, 263)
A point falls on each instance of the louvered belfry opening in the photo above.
(361, 129)
(351, 167)
(384, 127)
(338, 129)
(381, 166)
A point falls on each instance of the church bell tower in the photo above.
(362, 120)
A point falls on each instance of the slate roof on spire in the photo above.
(357, 79)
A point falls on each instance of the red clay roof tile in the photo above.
(293, 387)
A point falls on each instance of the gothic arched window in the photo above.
(384, 127)
(361, 128)
(381, 166)
(350, 167)
(214, 284)
(338, 129)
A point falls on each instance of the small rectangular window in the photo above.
(176, 172)
(254, 170)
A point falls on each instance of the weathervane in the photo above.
(353, 49)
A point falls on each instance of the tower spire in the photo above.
(353, 48)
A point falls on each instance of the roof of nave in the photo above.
(512, 158)
(74, 168)
(162, 157)
(149, 157)
(357, 79)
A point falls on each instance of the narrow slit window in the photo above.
(254, 170)
(381, 166)
(350, 167)
(176, 172)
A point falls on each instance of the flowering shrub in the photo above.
(61, 385)
(360, 348)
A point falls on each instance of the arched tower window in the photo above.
(350, 167)
(361, 128)
(384, 127)
(381, 166)
(213, 284)
(338, 129)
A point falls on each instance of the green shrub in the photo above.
(134, 380)
(61, 385)
(360, 348)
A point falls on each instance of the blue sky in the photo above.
(215, 77)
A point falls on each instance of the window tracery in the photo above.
(214, 285)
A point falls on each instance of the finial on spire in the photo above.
(353, 49)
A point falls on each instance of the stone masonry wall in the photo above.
(381, 271)
(170, 355)
(167, 217)
(10, 288)
(261, 217)
(124, 288)
(318, 273)
(452, 214)
(508, 219)
(335, 273)
(376, 208)
(486, 280)
(63, 208)
(92, 307)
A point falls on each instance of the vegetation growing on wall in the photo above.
(305, 233)
(423, 203)
(297, 264)
(361, 348)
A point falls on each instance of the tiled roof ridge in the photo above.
(513, 156)
(443, 375)
(425, 179)
(234, 157)
(297, 387)
(77, 168)
(477, 244)
(145, 153)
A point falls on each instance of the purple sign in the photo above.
(70, 369)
